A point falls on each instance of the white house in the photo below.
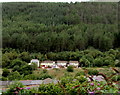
(61, 63)
(36, 61)
(74, 63)
(47, 63)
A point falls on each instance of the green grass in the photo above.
(58, 73)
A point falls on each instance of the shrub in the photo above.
(81, 78)
(98, 62)
(14, 76)
(92, 72)
(25, 56)
(30, 77)
(56, 69)
(25, 69)
(116, 78)
(34, 66)
(17, 62)
(44, 71)
(50, 89)
(80, 73)
(66, 80)
(108, 61)
(5, 73)
(84, 62)
(44, 76)
(4, 79)
(118, 64)
(70, 69)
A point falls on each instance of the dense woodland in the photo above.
(85, 32)
(57, 27)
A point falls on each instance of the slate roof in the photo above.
(26, 82)
(36, 82)
(5, 83)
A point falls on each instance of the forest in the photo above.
(59, 27)
(84, 32)
(87, 32)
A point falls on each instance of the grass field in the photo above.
(58, 73)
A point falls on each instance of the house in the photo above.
(36, 61)
(62, 63)
(74, 63)
(47, 63)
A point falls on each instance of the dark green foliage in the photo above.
(81, 78)
(17, 62)
(30, 77)
(118, 64)
(44, 76)
(44, 71)
(4, 78)
(57, 27)
(70, 69)
(116, 78)
(98, 62)
(14, 76)
(80, 73)
(92, 72)
(50, 89)
(34, 66)
(25, 56)
(5, 73)
(26, 69)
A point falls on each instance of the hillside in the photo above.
(57, 27)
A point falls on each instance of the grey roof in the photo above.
(26, 82)
(35, 82)
(5, 83)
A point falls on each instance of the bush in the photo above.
(116, 78)
(118, 64)
(84, 62)
(14, 76)
(44, 76)
(31, 77)
(108, 61)
(4, 79)
(66, 80)
(5, 73)
(44, 71)
(98, 62)
(81, 78)
(34, 66)
(70, 69)
(25, 69)
(92, 72)
(50, 89)
(80, 73)
(17, 62)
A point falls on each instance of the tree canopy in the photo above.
(57, 27)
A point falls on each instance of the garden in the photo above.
(72, 85)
